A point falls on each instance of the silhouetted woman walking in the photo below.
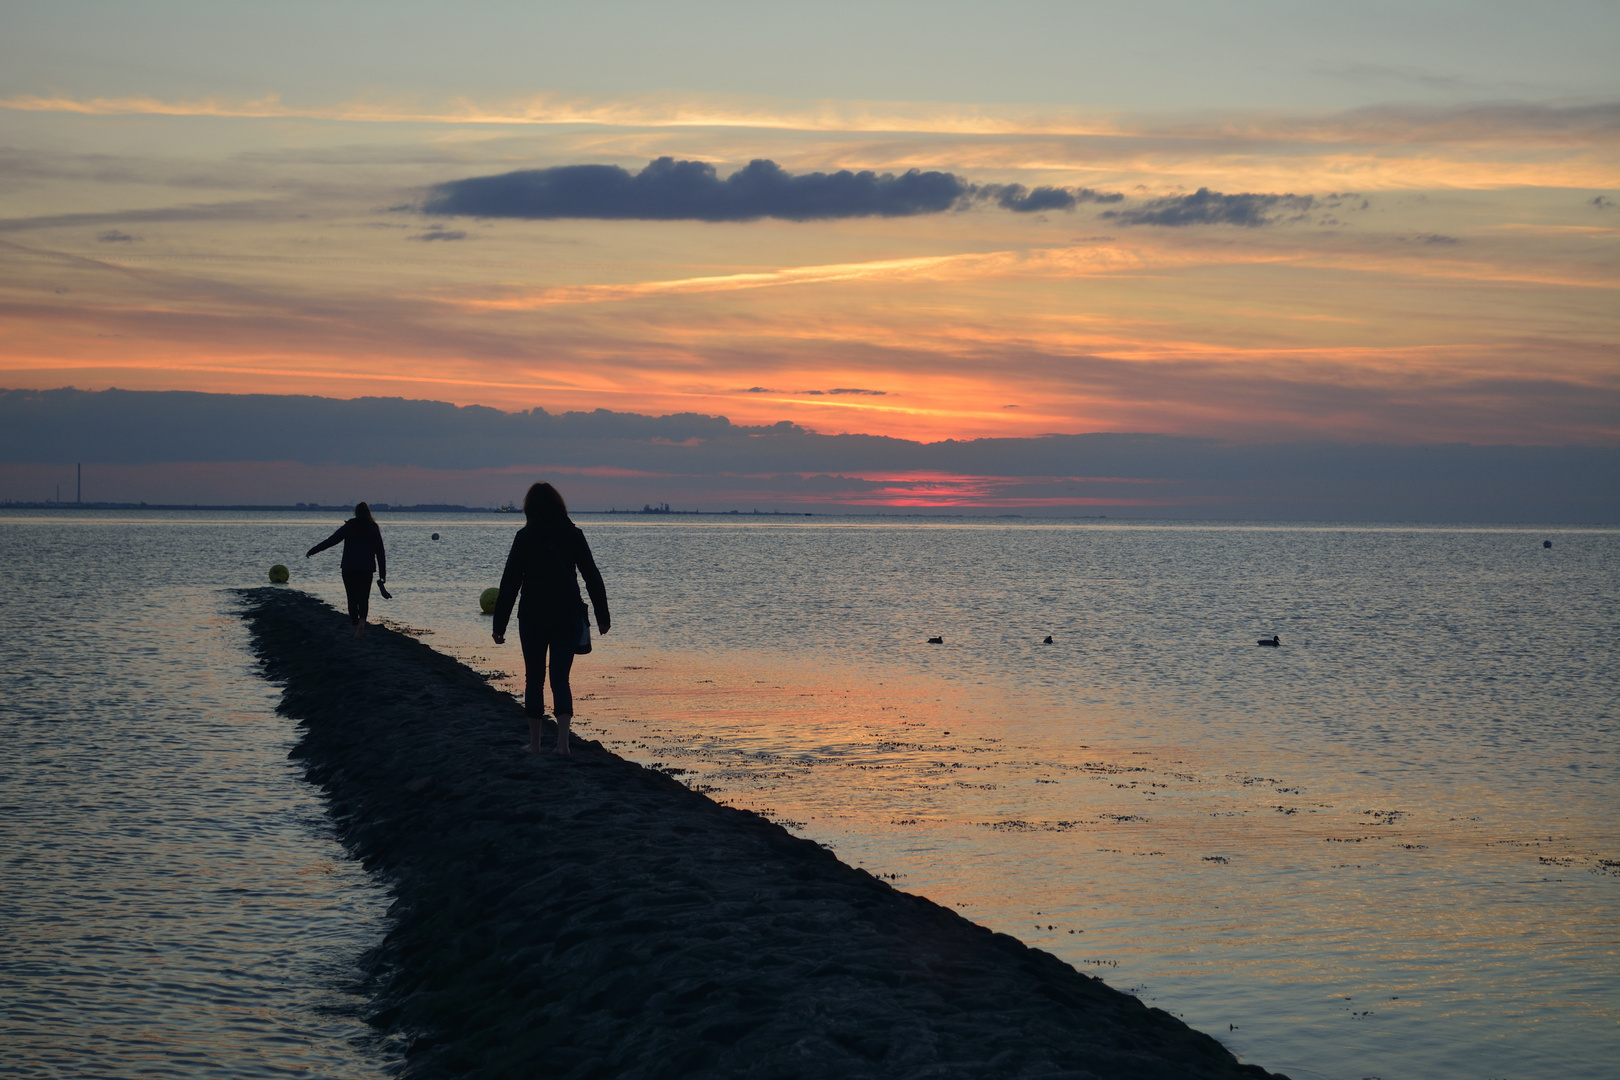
(545, 555)
(362, 550)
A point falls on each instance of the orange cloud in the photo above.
(1470, 147)
(974, 323)
(1052, 262)
(1467, 125)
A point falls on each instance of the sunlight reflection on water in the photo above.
(1387, 848)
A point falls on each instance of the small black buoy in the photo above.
(435, 536)
(1048, 640)
(1274, 641)
(1546, 543)
(936, 641)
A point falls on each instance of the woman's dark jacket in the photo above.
(541, 567)
(362, 547)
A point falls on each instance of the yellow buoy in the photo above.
(488, 599)
(278, 574)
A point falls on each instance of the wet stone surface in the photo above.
(591, 918)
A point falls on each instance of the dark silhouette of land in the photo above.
(594, 918)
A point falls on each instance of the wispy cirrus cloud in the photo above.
(1480, 146)
(241, 210)
(634, 111)
(834, 392)
(1060, 262)
(439, 232)
(527, 300)
(1489, 123)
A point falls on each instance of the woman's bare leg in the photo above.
(562, 695)
(358, 588)
(534, 679)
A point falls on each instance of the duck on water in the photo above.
(1273, 641)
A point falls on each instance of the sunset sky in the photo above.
(1267, 222)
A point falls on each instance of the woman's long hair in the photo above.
(363, 512)
(544, 506)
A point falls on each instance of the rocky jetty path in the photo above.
(594, 918)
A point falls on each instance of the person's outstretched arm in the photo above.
(329, 541)
(511, 582)
(593, 585)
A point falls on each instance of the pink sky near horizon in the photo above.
(285, 483)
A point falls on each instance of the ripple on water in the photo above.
(1387, 848)
(174, 902)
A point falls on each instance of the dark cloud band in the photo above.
(1206, 207)
(671, 190)
(1021, 200)
(439, 232)
(660, 456)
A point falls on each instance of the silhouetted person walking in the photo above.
(545, 555)
(362, 550)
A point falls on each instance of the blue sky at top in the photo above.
(1187, 54)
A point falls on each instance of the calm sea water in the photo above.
(1388, 848)
(172, 901)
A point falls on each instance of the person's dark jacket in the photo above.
(541, 569)
(362, 548)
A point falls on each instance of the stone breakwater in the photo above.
(594, 918)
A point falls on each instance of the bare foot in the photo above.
(527, 749)
(561, 753)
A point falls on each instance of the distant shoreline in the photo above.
(456, 508)
(657, 512)
(345, 508)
